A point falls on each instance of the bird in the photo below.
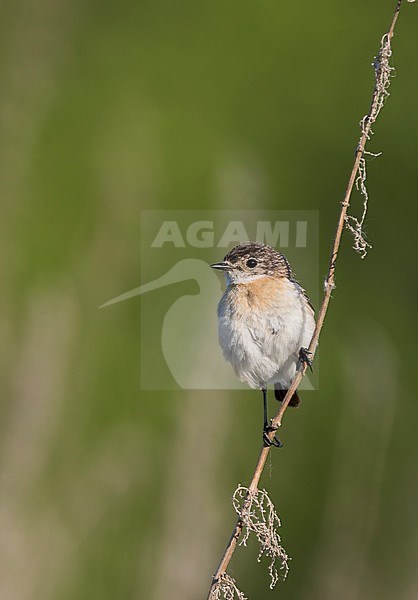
(265, 322)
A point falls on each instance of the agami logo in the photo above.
(201, 234)
(180, 247)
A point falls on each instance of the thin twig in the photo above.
(328, 288)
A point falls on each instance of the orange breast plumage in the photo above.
(262, 326)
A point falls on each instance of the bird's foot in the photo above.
(271, 442)
(305, 357)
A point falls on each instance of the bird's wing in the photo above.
(304, 294)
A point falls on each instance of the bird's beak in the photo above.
(222, 266)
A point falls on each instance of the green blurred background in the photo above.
(109, 108)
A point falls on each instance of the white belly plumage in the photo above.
(262, 339)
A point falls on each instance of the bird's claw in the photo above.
(271, 442)
(305, 357)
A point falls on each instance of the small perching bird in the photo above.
(265, 321)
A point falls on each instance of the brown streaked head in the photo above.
(252, 260)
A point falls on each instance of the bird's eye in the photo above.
(251, 262)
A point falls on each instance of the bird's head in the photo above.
(253, 260)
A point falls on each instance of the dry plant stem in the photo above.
(328, 288)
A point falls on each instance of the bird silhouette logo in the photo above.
(189, 339)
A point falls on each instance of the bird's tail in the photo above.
(279, 394)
